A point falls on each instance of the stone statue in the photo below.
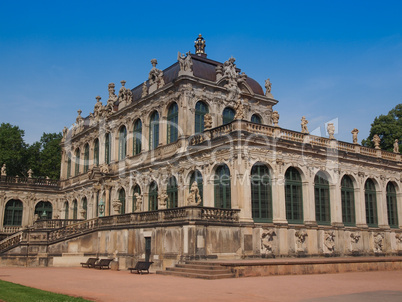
(268, 86)
(200, 45)
(207, 121)
(229, 68)
(376, 140)
(304, 123)
(162, 198)
(300, 239)
(396, 146)
(267, 238)
(275, 118)
(331, 130)
(185, 62)
(79, 118)
(155, 77)
(104, 169)
(239, 110)
(112, 95)
(233, 89)
(378, 242)
(98, 107)
(354, 133)
(329, 241)
(4, 170)
(138, 202)
(65, 130)
(116, 204)
(30, 172)
(194, 199)
(144, 89)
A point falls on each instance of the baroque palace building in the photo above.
(193, 164)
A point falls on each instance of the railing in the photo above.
(221, 130)
(10, 229)
(368, 151)
(346, 147)
(319, 141)
(214, 214)
(54, 223)
(11, 241)
(29, 181)
(259, 128)
(292, 135)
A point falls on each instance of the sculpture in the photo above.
(104, 169)
(329, 241)
(239, 110)
(229, 68)
(162, 198)
(267, 239)
(301, 238)
(304, 123)
(275, 118)
(268, 86)
(98, 107)
(4, 170)
(116, 204)
(144, 89)
(194, 199)
(378, 242)
(125, 95)
(30, 172)
(354, 133)
(138, 202)
(331, 130)
(207, 121)
(376, 140)
(200, 45)
(185, 62)
(396, 146)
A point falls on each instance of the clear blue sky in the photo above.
(327, 60)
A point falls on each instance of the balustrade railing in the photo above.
(29, 181)
(11, 241)
(10, 229)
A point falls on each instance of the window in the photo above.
(122, 143)
(153, 197)
(75, 209)
(97, 204)
(85, 207)
(13, 212)
(200, 110)
(107, 148)
(69, 165)
(371, 203)
(348, 201)
(66, 210)
(172, 193)
(77, 162)
(137, 137)
(196, 176)
(44, 210)
(321, 196)
(172, 123)
(86, 158)
(96, 153)
(136, 189)
(255, 118)
(293, 196)
(228, 115)
(122, 199)
(222, 187)
(261, 193)
(154, 131)
(392, 209)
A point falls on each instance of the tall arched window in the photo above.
(255, 118)
(96, 152)
(137, 137)
(293, 196)
(348, 201)
(66, 210)
(197, 177)
(172, 193)
(228, 115)
(172, 123)
(69, 165)
(86, 158)
(153, 196)
(75, 209)
(154, 131)
(44, 210)
(13, 212)
(85, 207)
(108, 141)
(261, 193)
(392, 209)
(322, 202)
(77, 162)
(122, 199)
(222, 187)
(122, 143)
(371, 203)
(200, 110)
(136, 189)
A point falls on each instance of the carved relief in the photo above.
(162, 199)
(378, 242)
(267, 241)
(186, 64)
(329, 242)
(194, 199)
(300, 240)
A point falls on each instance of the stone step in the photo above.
(196, 275)
(199, 270)
(201, 266)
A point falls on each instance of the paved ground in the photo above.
(110, 286)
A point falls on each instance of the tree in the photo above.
(50, 155)
(388, 127)
(13, 149)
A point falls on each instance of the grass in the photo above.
(11, 292)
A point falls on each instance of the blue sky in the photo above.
(327, 60)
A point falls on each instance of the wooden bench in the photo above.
(90, 262)
(103, 263)
(141, 266)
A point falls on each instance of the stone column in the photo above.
(101, 149)
(398, 204)
(278, 198)
(107, 201)
(382, 209)
(162, 130)
(63, 168)
(130, 139)
(360, 206)
(208, 191)
(146, 201)
(335, 204)
(308, 203)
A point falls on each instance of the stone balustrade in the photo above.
(29, 181)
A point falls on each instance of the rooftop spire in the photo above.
(199, 45)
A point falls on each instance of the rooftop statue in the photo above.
(275, 118)
(268, 86)
(376, 141)
(239, 110)
(200, 45)
(396, 146)
(3, 170)
(304, 123)
(186, 63)
(331, 130)
(354, 133)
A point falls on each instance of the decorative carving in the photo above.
(396, 146)
(376, 140)
(186, 64)
(144, 90)
(110, 102)
(267, 238)
(207, 121)
(268, 86)
(329, 242)
(116, 204)
(104, 169)
(378, 242)
(300, 240)
(138, 202)
(30, 172)
(331, 130)
(398, 237)
(4, 170)
(239, 110)
(162, 198)
(200, 45)
(194, 199)
(125, 95)
(83, 213)
(101, 208)
(304, 123)
(275, 118)
(155, 77)
(98, 108)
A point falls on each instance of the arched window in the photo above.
(348, 201)
(77, 162)
(86, 158)
(137, 137)
(172, 193)
(75, 209)
(261, 193)
(13, 212)
(136, 189)
(107, 148)
(154, 131)
(222, 187)
(122, 199)
(392, 209)
(44, 210)
(200, 110)
(293, 196)
(196, 176)
(96, 152)
(122, 143)
(255, 118)
(228, 115)
(321, 196)
(153, 197)
(66, 210)
(371, 203)
(172, 123)
(85, 207)
(69, 165)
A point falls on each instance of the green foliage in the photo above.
(12, 292)
(13, 149)
(388, 127)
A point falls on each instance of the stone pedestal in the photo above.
(114, 265)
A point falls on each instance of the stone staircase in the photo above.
(198, 269)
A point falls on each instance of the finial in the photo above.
(98, 98)
(154, 62)
(79, 111)
(200, 45)
(123, 83)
